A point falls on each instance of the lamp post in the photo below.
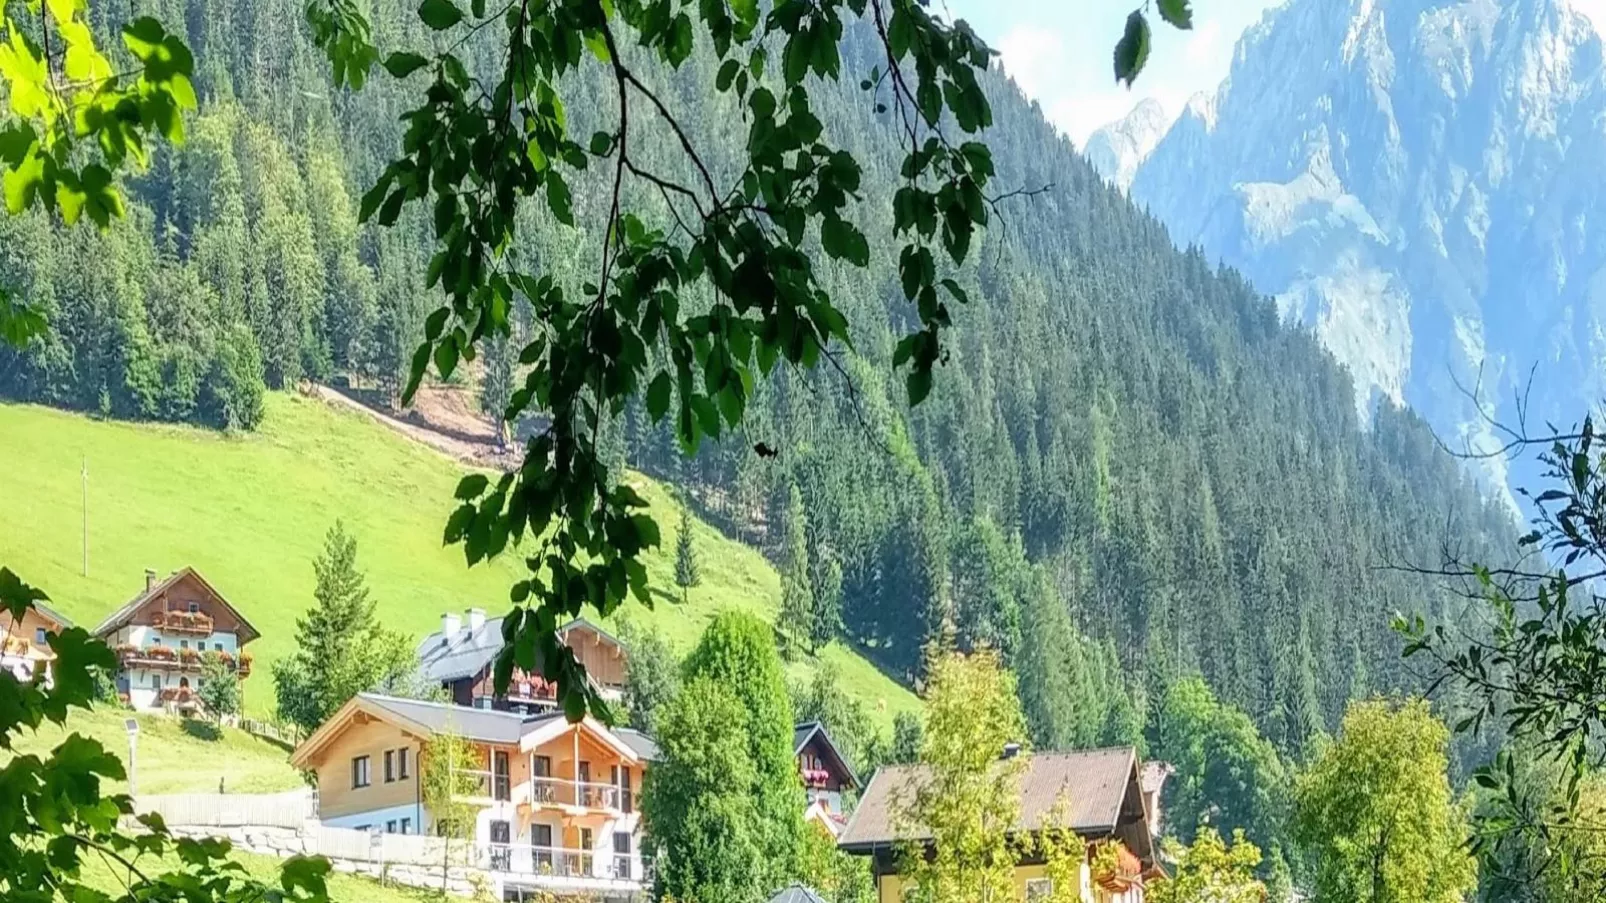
(132, 727)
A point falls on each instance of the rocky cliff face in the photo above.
(1422, 182)
(1117, 149)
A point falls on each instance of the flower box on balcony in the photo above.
(193, 622)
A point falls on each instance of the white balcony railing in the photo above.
(585, 794)
(483, 785)
(562, 863)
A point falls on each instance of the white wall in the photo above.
(145, 635)
(376, 818)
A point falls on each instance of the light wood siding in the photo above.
(604, 660)
(27, 631)
(365, 736)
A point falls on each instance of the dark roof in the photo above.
(471, 651)
(802, 733)
(120, 617)
(1093, 784)
(485, 725)
(797, 893)
(646, 747)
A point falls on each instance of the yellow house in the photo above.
(24, 645)
(556, 803)
(1105, 802)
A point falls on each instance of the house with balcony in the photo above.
(163, 636)
(25, 644)
(1097, 793)
(826, 777)
(555, 803)
(460, 656)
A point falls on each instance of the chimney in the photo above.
(150, 579)
(449, 627)
(476, 619)
(1011, 750)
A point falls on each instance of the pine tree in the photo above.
(796, 620)
(687, 571)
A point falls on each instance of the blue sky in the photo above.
(1059, 52)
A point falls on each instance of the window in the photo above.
(621, 855)
(407, 826)
(390, 766)
(183, 644)
(359, 772)
(501, 780)
(1039, 889)
(390, 826)
(217, 647)
(156, 681)
(195, 608)
(401, 764)
(156, 641)
(39, 636)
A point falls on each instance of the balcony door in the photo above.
(501, 776)
(501, 852)
(541, 847)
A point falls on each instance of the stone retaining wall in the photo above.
(287, 842)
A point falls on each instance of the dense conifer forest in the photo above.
(1129, 470)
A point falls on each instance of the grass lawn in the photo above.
(175, 756)
(250, 512)
(102, 875)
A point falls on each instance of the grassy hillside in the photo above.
(250, 512)
(103, 875)
(176, 756)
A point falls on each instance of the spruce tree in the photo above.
(796, 621)
(687, 572)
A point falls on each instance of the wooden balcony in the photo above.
(166, 658)
(567, 794)
(194, 623)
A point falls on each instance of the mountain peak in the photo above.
(1117, 149)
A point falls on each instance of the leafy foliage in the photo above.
(653, 679)
(701, 817)
(738, 652)
(1531, 662)
(1375, 812)
(1212, 869)
(219, 687)
(1227, 776)
(970, 799)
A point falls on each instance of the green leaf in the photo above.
(919, 385)
(1132, 52)
(601, 144)
(658, 397)
(439, 14)
(472, 486)
(402, 64)
(1177, 13)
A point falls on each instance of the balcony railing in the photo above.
(482, 785)
(560, 862)
(585, 794)
(167, 658)
(191, 622)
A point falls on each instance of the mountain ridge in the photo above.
(1413, 180)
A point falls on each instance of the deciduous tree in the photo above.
(969, 799)
(219, 687)
(1375, 812)
(1211, 870)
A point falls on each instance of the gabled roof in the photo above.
(50, 614)
(1094, 784)
(645, 746)
(797, 893)
(121, 616)
(808, 730)
(425, 719)
(471, 651)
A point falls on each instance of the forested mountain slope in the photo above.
(1129, 469)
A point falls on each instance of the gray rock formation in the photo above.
(1423, 183)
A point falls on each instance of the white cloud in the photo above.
(1201, 46)
(1034, 57)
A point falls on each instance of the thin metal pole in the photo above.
(85, 491)
(133, 768)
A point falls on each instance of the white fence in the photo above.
(290, 809)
